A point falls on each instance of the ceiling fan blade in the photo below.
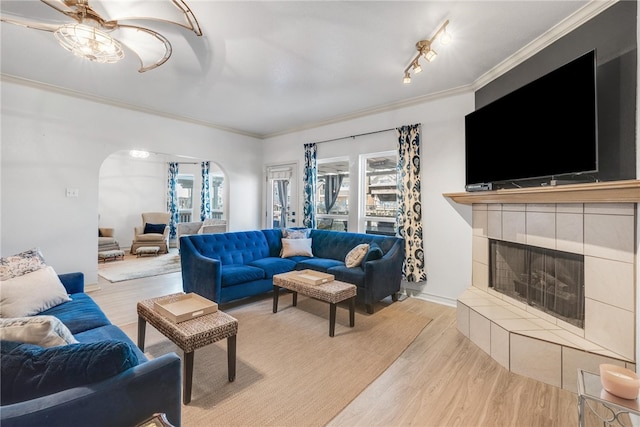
(67, 7)
(31, 24)
(175, 12)
(151, 48)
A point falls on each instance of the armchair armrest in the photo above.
(125, 399)
(106, 232)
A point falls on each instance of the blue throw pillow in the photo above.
(374, 253)
(29, 371)
(154, 228)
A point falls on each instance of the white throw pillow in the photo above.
(31, 293)
(45, 331)
(296, 247)
(356, 255)
(22, 263)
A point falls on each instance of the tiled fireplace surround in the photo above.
(532, 343)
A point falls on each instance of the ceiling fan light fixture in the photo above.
(90, 43)
(430, 55)
(407, 78)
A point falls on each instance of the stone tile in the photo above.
(541, 229)
(536, 359)
(480, 331)
(609, 236)
(500, 345)
(572, 360)
(570, 233)
(480, 275)
(610, 208)
(462, 319)
(514, 226)
(610, 327)
(480, 249)
(479, 221)
(610, 282)
(494, 224)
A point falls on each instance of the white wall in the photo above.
(447, 226)
(51, 142)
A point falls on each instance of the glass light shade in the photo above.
(430, 55)
(407, 79)
(416, 67)
(89, 43)
(445, 38)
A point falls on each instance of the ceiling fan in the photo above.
(89, 33)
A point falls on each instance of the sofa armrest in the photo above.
(200, 274)
(106, 232)
(383, 276)
(125, 399)
(73, 282)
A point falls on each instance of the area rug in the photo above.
(134, 267)
(289, 371)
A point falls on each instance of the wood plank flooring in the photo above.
(442, 379)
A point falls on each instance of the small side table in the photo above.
(590, 389)
(190, 335)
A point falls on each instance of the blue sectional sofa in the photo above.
(228, 266)
(125, 399)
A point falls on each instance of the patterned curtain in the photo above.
(409, 215)
(172, 199)
(205, 194)
(310, 178)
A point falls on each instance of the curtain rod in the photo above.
(353, 136)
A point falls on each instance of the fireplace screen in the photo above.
(551, 281)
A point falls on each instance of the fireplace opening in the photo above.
(549, 280)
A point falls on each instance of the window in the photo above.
(379, 201)
(332, 194)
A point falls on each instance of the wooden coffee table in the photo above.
(332, 292)
(190, 335)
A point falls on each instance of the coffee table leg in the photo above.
(142, 326)
(332, 319)
(352, 311)
(276, 293)
(231, 357)
(188, 377)
(295, 298)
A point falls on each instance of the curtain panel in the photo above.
(310, 179)
(409, 215)
(205, 193)
(332, 184)
(172, 199)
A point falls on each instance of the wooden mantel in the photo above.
(596, 192)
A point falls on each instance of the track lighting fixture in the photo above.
(425, 50)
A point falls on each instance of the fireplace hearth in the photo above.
(549, 280)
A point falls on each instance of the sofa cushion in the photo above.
(45, 331)
(374, 253)
(295, 233)
(31, 293)
(273, 265)
(318, 264)
(235, 274)
(296, 247)
(20, 264)
(109, 332)
(353, 275)
(356, 255)
(80, 314)
(29, 371)
(154, 228)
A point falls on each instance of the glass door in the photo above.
(281, 196)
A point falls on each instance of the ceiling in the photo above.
(263, 68)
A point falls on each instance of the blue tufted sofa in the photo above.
(124, 399)
(228, 266)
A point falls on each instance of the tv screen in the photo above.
(546, 128)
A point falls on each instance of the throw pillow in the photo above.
(356, 255)
(154, 228)
(295, 233)
(296, 247)
(29, 371)
(45, 331)
(374, 253)
(20, 264)
(31, 293)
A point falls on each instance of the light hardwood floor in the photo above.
(442, 379)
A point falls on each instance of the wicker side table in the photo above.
(331, 292)
(190, 335)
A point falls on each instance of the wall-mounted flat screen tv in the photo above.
(547, 128)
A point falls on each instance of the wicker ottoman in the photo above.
(111, 255)
(148, 250)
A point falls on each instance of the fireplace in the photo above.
(549, 280)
